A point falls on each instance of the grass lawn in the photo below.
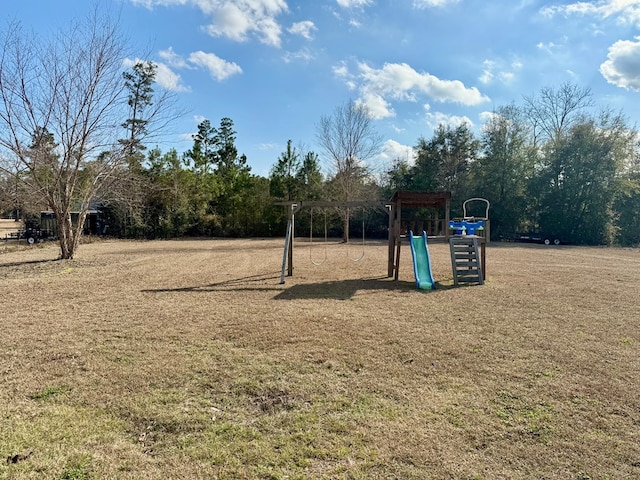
(188, 359)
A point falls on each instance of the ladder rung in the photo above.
(465, 260)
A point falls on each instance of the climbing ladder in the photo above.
(465, 260)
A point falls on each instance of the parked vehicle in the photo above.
(537, 237)
(33, 235)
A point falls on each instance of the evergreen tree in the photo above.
(282, 178)
(442, 163)
(203, 156)
(233, 177)
(399, 177)
(309, 177)
(139, 84)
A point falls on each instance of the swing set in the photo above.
(326, 240)
(294, 207)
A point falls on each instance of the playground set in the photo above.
(467, 236)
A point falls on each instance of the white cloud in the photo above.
(433, 3)
(268, 146)
(187, 137)
(392, 150)
(498, 70)
(341, 70)
(487, 74)
(235, 19)
(230, 21)
(218, 68)
(376, 105)
(304, 29)
(487, 116)
(548, 47)
(622, 67)
(144, 3)
(172, 58)
(434, 119)
(168, 79)
(354, 3)
(303, 55)
(399, 81)
(625, 11)
(506, 77)
(129, 63)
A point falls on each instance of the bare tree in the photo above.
(62, 102)
(350, 140)
(554, 111)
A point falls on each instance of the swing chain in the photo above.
(311, 239)
(363, 242)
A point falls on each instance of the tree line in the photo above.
(555, 164)
(75, 132)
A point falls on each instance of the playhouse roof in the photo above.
(421, 199)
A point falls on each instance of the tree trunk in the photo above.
(345, 225)
(65, 234)
(69, 234)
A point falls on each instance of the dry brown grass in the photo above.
(188, 359)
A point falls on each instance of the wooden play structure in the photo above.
(467, 236)
(439, 202)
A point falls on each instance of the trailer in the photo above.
(537, 237)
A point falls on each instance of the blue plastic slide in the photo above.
(421, 262)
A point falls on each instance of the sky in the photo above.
(276, 67)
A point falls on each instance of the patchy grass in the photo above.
(188, 359)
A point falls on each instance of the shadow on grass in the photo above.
(335, 289)
(31, 262)
(346, 289)
(232, 284)
(338, 289)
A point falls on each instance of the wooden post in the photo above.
(483, 256)
(487, 230)
(392, 240)
(397, 229)
(287, 248)
(447, 219)
(292, 219)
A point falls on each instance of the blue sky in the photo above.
(276, 66)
